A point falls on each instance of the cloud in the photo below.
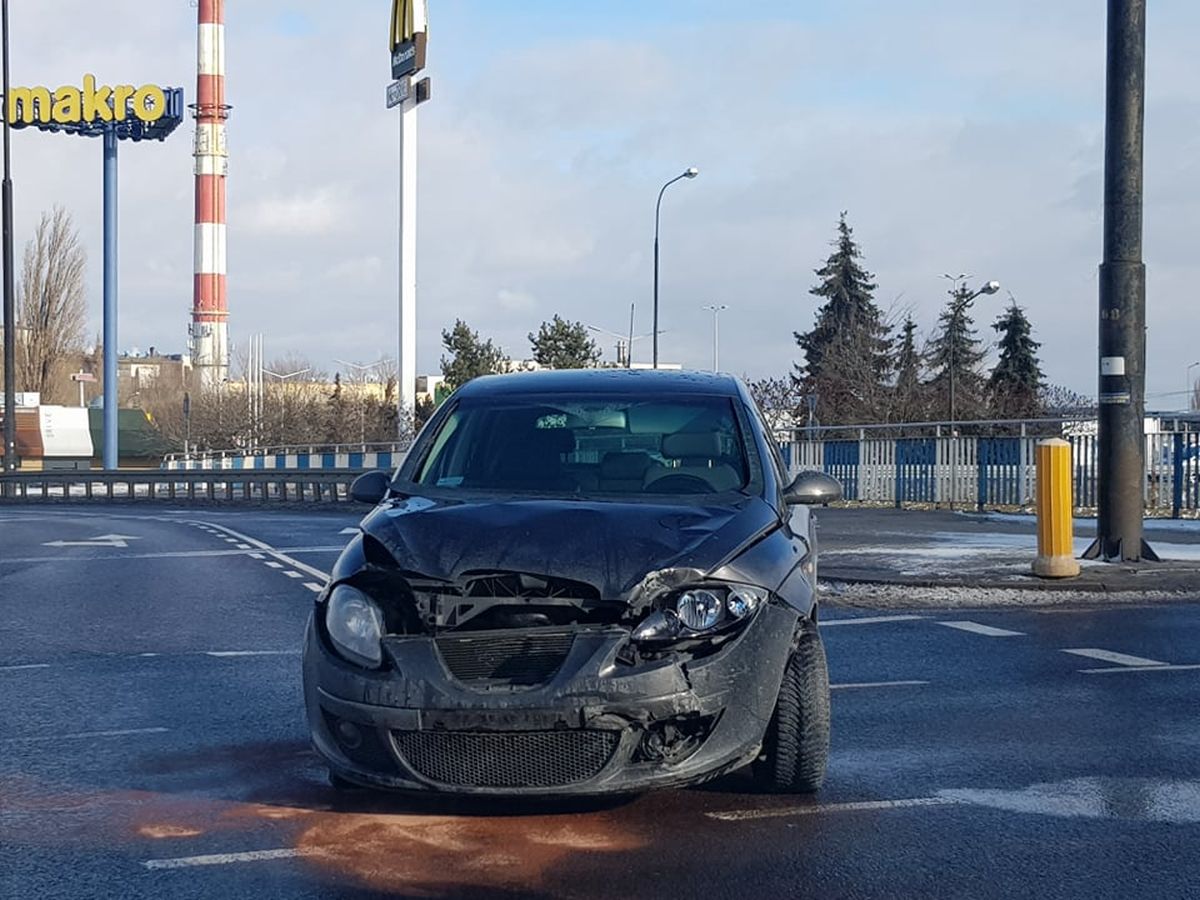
(550, 133)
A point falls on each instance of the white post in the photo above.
(407, 362)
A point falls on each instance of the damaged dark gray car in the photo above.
(577, 583)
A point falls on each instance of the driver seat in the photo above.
(699, 455)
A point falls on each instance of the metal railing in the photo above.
(340, 448)
(993, 471)
(278, 485)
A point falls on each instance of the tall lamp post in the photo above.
(10, 324)
(362, 410)
(961, 301)
(1190, 395)
(282, 378)
(690, 172)
(715, 309)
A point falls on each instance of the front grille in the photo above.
(507, 759)
(521, 658)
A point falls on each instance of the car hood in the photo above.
(612, 546)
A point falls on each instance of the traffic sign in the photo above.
(398, 91)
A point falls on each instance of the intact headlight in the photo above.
(355, 626)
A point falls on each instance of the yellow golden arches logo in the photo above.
(408, 20)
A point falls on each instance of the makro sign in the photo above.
(90, 105)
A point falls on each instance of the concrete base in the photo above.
(1055, 567)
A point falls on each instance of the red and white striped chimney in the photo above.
(210, 339)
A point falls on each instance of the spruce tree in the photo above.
(471, 356)
(560, 344)
(956, 347)
(908, 403)
(1016, 382)
(847, 353)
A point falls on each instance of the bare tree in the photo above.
(53, 312)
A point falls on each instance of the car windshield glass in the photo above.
(586, 444)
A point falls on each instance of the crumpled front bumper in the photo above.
(597, 726)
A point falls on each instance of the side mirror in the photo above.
(370, 487)
(812, 489)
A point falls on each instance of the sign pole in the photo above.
(110, 459)
(10, 318)
(407, 359)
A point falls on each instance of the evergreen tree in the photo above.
(957, 348)
(337, 428)
(470, 355)
(1016, 381)
(560, 344)
(909, 398)
(847, 354)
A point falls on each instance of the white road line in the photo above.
(271, 551)
(743, 815)
(1162, 668)
(867, 620)
(987, 630)
(257, 556)
(1121, 659)
(81, 735)
(222, 859)
(348, 531)
(167, 554)
(228, 653)
(243, 546)
(290, 574)
(230, 540)
(23, 668)
(274, 565)
(874, 684)
(314, 587)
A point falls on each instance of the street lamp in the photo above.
(1190, 394)
(715, 309)
(961, 302)
(690, 172)
(284, 377)
(362, 406)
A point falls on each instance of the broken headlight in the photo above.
(700, 611)
(355, 626)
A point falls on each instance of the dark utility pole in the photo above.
(10, 317)
(1123, 295)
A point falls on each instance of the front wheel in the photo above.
(796, 745)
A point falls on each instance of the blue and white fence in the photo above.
(992, 471)
(300, 459)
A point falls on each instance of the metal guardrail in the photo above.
(309, 449)
(277, 485)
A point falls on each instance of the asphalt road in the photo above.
(154, 746)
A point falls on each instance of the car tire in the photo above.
(796, 745)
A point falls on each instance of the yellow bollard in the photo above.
(1056, 552)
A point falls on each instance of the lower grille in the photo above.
(510, 657)
(507, 759)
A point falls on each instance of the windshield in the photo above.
(589, 445)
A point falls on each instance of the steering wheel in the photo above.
(680, 484)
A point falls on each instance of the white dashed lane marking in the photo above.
(221, 654)
(1120, 659)
(875, 684)
(987, 630)
(273, 564)
(867, 620)
(25, 667)
(222, 859)
(744, 815)
(314, 587)
(290, 574)
(84, 735)
(1127, 669)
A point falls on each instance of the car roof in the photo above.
(602, 381)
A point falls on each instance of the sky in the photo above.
(958, 136)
